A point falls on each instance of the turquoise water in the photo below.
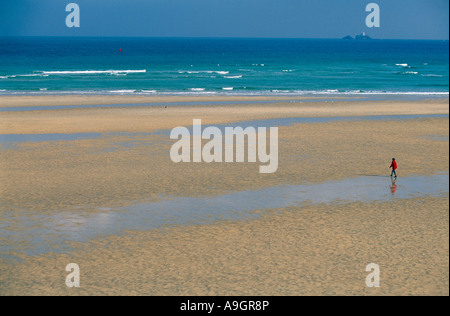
(152, 66)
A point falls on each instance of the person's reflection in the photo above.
(393, 185)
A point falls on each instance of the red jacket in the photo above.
(394, 165)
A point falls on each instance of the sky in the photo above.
(400, 19)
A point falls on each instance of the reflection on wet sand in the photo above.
(53, 232)
(393, 185)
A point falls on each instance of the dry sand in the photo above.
(316, 249)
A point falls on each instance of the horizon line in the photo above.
(227, 37)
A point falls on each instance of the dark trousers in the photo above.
(394, 173)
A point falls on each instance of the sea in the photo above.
(222, 66)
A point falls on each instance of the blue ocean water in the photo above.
(160, 66)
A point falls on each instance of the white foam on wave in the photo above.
(411, 73)
(125, 91)
(94, 72)
(197, 89)
(231, 91)
(233, 77)
(34, 75)
(359, 92)
(187, 93)
(332, 92)
(190, 72)
(431, 75)
(24, 75)
(402, 65)
(281, 91)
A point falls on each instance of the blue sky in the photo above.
(400, 19)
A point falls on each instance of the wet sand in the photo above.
(310, 250)
(306, 249)
(58, 100)
(145, 119)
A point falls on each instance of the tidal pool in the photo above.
(33, 233)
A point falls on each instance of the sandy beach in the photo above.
(145, 119)
(52, 100)
(304, 249)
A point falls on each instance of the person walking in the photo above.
(394, 167)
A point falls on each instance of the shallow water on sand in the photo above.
(33, 233)
(9, 140)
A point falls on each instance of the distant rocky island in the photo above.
(359, 37)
